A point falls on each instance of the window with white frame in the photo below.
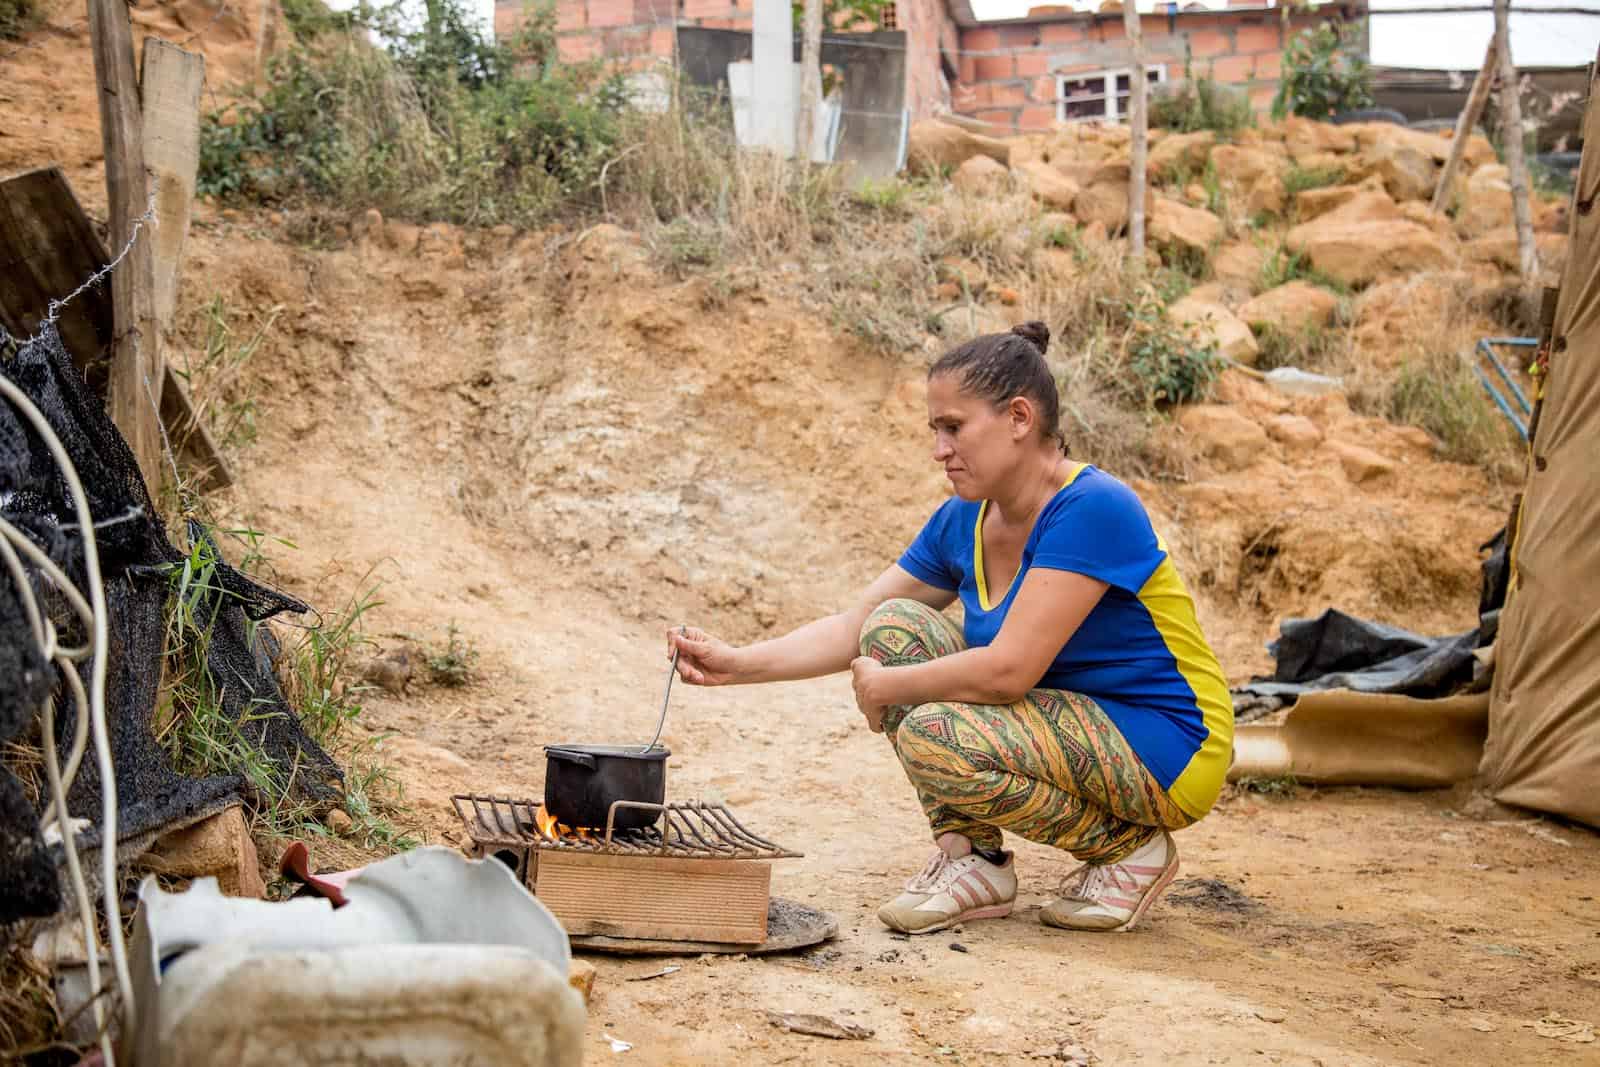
(1099, 96)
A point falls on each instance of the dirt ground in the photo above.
(543, 442)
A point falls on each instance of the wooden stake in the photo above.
(1139, 124)
(1465, 124)
(170, 82)
(1511, 136)
(805, 125)
(136, 370)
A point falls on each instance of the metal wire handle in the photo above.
(672, 672)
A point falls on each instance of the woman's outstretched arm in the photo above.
(820, 647)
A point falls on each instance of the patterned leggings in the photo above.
(1051, 767)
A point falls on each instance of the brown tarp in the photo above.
(1339, 737)
(1543, 749)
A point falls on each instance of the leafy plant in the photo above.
(889, 196)
(1321, 76)
(453, 663)
(1166, 364)
(1200, 104)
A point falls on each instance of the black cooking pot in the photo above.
(581, 782)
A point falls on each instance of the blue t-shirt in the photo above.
(1139, 654)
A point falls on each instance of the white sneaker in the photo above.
(1113, 896)
(951, 891)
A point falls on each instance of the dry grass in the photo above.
(29, 1020)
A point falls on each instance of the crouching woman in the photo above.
(1077, 704)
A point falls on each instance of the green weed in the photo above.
(1441, 394)
(1298, 179)
(1285, 785)
(1165, 365)
(215, 379)
(455, 661)
(889, 196)
(1200, 104)
(1284, 266)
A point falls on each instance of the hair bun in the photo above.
(1034, 332)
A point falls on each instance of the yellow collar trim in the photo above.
(977, 548)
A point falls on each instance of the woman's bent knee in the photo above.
(895, 629)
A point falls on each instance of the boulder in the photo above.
(219, 847)
(1294, 432)
(1212, 323)
(935, 147)
(1241, 166)
(981, 176)
(1314, 203)
(1239, 262)
(1106, 203)
(1223, 435)
(1484, 201)
(1305, 137)
(1550, 216)
(1407, 172)
(1049, 186)
(1500, 248)
(1267, 196)
(1180, 151)
(1293, 308)
(1371, 135)
(1173, 223)
(1424, 215)
(1361, 465)
(1366, 239)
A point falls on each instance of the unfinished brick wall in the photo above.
(1008, 72)
(638, 33)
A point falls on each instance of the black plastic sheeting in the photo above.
(135, 560)
(1339, 651)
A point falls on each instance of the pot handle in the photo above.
(570, 756)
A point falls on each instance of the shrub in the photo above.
(1440, 393)
(1166, 364)
(443, 126)
(17, 17)
(1200, 104)
(1321, 77)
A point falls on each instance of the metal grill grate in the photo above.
(690, 830)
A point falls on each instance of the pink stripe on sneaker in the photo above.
(994, 894)
(962, 895)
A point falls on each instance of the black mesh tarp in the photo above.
(135, 560)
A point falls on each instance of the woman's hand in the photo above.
(867, 676)
(702, 658)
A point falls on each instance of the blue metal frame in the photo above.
(1486, 347)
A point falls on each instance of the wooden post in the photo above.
(136, 370)
(1466, 123)
(1139, 124)
(805, 125)
(170, 82)
(1511, 136)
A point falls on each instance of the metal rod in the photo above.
(1516, 390)
(672, 672)
(1501, 402)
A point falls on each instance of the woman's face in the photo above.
(975, 443)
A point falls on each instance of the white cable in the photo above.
(97, 714)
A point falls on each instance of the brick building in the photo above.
(1057, 64)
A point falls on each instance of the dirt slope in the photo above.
(540, 439)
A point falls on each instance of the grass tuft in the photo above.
(453, 663)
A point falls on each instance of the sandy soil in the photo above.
(540, 440)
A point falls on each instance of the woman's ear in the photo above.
(1023, 417)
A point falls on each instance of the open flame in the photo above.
(554, 831)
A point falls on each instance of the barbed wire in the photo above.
(55, 307)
